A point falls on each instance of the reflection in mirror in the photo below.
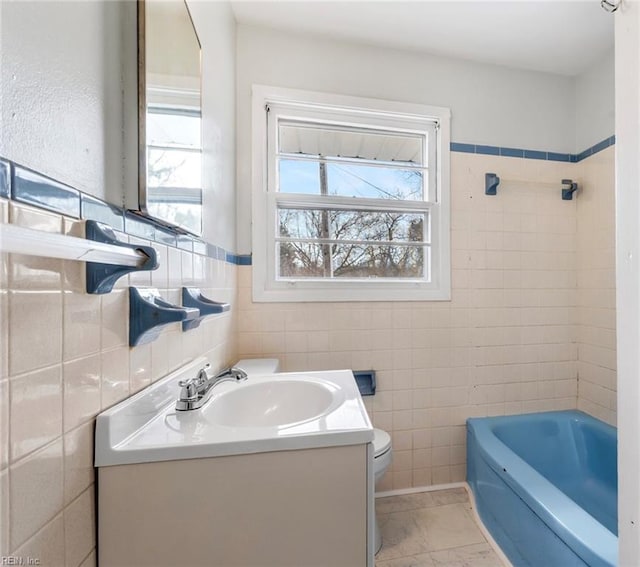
(170, 115)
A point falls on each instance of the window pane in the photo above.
(362, 261)
(174, 168)
(165, 129)
(349, 180)
(352, 225)
(304, 260)
(299, 176)
(373, 225)
(350, 142)
(296, 223)
(374, 182)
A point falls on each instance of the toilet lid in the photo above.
(381, 442)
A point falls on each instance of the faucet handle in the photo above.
(189, 389)
(203, 373)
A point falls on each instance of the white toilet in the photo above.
(381, 462)
(381, 439)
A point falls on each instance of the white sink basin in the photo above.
(278, 412)
(275, 402)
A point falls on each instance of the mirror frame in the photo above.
(143, 193)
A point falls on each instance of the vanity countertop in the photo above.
(278, 412)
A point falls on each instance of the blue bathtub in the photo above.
(546, 487)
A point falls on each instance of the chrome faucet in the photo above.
(196, 391)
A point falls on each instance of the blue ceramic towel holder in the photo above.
(148, 313)
(102, 277)
(192, 297)
(491, 182)
(567, 192)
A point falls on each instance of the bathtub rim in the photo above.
(588, 538)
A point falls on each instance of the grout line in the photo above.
(415, 490)
(93, 549)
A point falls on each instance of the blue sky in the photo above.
(300, 176)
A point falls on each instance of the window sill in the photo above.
(365, 291)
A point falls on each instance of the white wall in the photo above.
(490, 104)
(62, 103)
(594, 103)
(628, 277)
(216, 29)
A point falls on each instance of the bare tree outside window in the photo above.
(333, 243)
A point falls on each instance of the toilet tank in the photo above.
(258, 366)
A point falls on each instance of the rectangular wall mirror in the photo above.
(169, 115)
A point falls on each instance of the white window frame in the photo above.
(388, 115)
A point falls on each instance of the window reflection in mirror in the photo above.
(171, 190)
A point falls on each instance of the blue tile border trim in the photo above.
(531, 154)
(488, 150)
(34, 189)
(27, 186)
(239, 259)
(243, 259)
(95, 209)
(200, 247)
(5, 178)
(466, 148)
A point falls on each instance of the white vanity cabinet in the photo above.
(262, 485)
(281, 509)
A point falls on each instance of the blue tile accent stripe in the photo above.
(138, 226)
(26, 186)
(200, 247)
(95, 209)
(511, 152)
(465, 148)
(34, 189)
(184, 242)
(5, 179)
(552, 156)
(243, 260)
(165, 236)
(531, 154)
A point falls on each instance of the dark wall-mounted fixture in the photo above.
(192, 297)
(148, 313)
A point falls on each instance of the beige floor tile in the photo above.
(404, 502)
(449, 526)
(478, 555)
(403, 534)
(451, 496)
(431, 529)
(422, 560)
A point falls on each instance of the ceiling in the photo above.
(564, 37)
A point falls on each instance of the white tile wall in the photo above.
(64, 358)
(531, 326)
(506, 343)
(596, 286)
